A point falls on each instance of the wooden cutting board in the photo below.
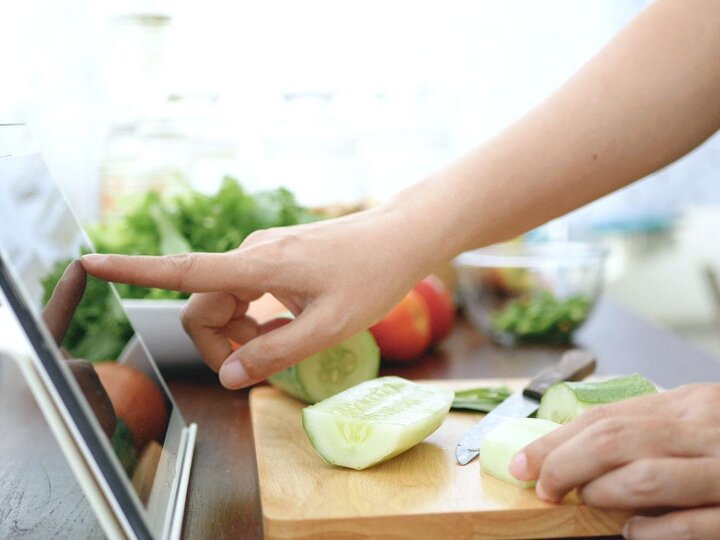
(420, 494)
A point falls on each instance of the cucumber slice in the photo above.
(568, 400)
(507, 439)
(375, 421)
(353, 361)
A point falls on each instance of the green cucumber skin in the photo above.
(502, 444)
(297, 380)
(365, 425)
(566, 401)
(288, 381)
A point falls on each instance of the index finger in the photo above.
(186, 272)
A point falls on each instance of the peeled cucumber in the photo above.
(568, 400)
(375, 421)
(507, 439)
(324, 374)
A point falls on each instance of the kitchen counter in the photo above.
(39, 498)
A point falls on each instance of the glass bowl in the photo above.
(530, 292)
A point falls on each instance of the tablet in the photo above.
(92, 375)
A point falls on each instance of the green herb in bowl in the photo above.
(520, 292)
(542, 318)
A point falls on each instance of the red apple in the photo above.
(404, 333)
(440, 305)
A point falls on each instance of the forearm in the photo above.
(647, 98)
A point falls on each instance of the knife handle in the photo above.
(575, 365)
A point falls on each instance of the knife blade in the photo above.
(574, 365)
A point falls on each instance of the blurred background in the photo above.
(342, 103)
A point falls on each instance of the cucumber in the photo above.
(568, 400)
(353, 361)
(507, 439)
(375, 421)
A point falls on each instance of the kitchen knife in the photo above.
(574, 365)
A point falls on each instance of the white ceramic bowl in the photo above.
(158, 322)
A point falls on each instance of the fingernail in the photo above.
(518, 466)
(94, 258)
(540, 490)
(626, 529)
(233, 375)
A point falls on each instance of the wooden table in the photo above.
(39, 498)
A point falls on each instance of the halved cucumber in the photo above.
(353, 361)
(375, 421)
(568, 400)
(507, 439)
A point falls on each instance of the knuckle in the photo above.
(276, 239)
(334, 324)
(287, 240)
(180, 265)
(596, 414)
(642, 481)
(256, 236)
(265, 255)
(608, 435)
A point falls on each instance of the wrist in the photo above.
(423, 222)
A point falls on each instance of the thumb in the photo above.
(284, 345)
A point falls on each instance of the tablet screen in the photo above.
(131, 413)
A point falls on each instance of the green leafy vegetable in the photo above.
(542, 318)
(483, 399)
